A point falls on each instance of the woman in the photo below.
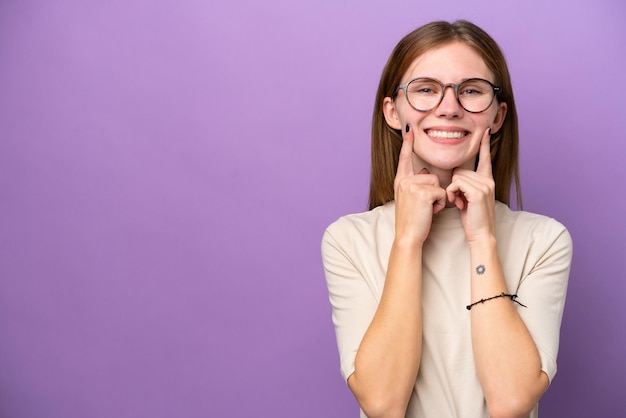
(446, 303)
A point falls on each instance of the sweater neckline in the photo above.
(446, 216)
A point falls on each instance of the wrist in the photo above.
(408, 243)
(483, 243)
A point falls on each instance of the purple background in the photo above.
(167, 169)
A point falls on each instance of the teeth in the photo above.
(446, 134)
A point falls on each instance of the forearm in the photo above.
(387, 361)
(507, 360)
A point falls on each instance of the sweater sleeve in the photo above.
(351, 296)
(543, 290)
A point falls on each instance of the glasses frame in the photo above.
(455, 87)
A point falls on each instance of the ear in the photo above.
(499, 119)
(391, 113)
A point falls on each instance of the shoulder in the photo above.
(361, 228)
(539, 229)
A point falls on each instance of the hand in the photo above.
(473, 193)
(418, 196)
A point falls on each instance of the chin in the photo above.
(452, 164)
(447, 157)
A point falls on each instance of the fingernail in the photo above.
(407, 128)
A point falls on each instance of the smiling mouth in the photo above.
(446, 134)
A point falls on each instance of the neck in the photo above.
(445, 176)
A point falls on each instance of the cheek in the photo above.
(484, 121)
(488, 118)
(413, 117)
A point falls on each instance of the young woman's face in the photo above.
(447, 136)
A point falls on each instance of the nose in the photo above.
(449, 106)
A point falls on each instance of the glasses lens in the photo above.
(475, 95)
(424, 93)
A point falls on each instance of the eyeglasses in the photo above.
(474, 95)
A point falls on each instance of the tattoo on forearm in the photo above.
(480, 269)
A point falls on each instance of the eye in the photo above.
(424, 87)
(474, 88)
(471, 91)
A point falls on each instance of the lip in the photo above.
(447, 129)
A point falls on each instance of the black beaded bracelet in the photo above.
(501, 295)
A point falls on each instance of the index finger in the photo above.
(405, 160)
(484, 156)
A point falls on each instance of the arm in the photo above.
(507, 359)
(359, 318)
(388, 358)
(387, 361)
